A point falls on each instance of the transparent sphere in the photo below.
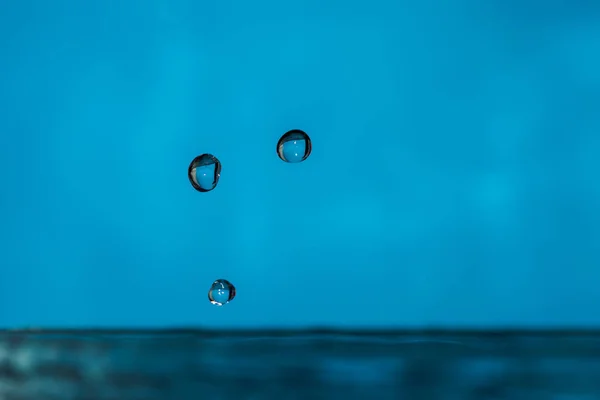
(221, 292)
(204, 172)
(294, 146)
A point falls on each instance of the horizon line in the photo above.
(320, 331)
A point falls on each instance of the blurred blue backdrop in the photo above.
(454, 178)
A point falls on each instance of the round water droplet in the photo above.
(221, 292)
(294, 146)
(204, 172)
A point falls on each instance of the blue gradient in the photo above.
(454, 178)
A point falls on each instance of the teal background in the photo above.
(454, 178)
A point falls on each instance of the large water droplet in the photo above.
(204, 172)
(221, 292)
(294, 146)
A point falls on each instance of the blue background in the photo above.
(454, 179)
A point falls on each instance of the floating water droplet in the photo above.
(204, 172)
(221, 292)
(294, 146)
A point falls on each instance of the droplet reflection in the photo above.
(204, 172)
(294, 146)
(221, 292)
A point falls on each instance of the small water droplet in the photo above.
(204, 172)
(221, 292)
(294, 146)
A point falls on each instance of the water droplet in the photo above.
(204, 172)
(294, 146)
(221, 292)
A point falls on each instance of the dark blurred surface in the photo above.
(182, 365)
